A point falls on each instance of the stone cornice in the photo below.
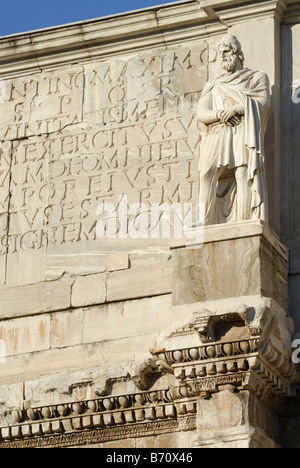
(102, 420)
(292, 13)
(200, 371)
(273, 8)
(95, 39)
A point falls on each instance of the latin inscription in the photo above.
(76, 137)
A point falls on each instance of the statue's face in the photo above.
(230, 59)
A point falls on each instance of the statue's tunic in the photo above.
(229, 146)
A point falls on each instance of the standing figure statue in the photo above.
(233, 112)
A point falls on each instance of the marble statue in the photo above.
(233, 112)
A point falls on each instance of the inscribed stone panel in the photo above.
(5, 177)
(40, 104)
(122, 131)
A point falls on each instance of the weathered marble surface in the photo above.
(290, 68)
(77, 137)
(73, 136)
(90, 324)
(232, 264)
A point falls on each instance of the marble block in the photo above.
(231, 263)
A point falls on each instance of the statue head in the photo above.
(231, 53)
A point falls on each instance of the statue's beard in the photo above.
(230, 64)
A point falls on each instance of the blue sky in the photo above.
(18, 16)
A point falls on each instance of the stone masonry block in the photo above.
(89, 290)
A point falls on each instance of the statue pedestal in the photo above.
(237, 284)
(240, 259)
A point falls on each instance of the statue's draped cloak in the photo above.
(225, 146)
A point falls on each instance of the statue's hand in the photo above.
(234, 121)
(231, 115)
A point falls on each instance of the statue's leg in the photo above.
(243, 194)
(208, 192)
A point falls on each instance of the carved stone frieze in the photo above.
(246, 350)
(231, 363)
(92, 436)
(199, 372)
(102, 420)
